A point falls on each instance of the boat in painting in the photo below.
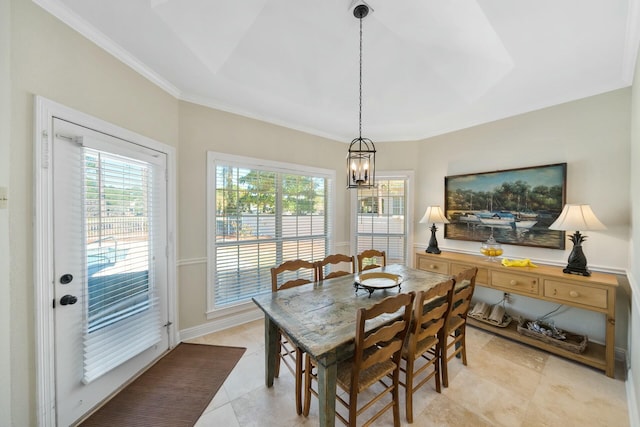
(469, 217)
(507, 223)
(503, 219)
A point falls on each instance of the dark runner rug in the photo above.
(172, 393)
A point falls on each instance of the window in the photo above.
(123, 205)
(261, 214)
(118, 197)
(380, 217)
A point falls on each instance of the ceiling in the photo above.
(429, 67)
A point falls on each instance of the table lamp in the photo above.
(577, 217)
(432, 215)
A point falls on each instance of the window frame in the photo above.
(216, 158)
(408, 177)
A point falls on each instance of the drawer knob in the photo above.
(513, 282)
(574, 294)
(432, 266)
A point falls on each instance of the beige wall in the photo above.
(5, 112)
(634, 252)
(51, 60)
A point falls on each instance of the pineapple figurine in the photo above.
(577, 263)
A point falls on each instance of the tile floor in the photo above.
(504, 384)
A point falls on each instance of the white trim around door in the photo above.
(45, 111)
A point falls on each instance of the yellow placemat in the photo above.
(518, 262)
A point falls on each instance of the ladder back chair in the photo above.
(333, 262)
(375, 361)
(288, 275)
(421, 352)
(371, 258)
(454, 343)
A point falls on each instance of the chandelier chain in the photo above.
(360, 107)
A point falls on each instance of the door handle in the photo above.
(66, 278)
(68, 300)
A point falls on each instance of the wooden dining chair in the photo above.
(376, 357)
(334, 262)
(454, 343)
(371, 258)
(421, 352)
(288, 275)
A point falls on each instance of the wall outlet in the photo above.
(3, 197)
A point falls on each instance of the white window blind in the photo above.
(122, 315)
(264, 214)
(381, 222)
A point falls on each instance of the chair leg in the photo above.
(299, 356)
(396, 398)
(437, 358)
(463, 344)
(307, 387)
(279, 356)
(353, 406)
(443, 361)
(458, 343)
(408, 388)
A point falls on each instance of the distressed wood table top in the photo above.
(321, 317)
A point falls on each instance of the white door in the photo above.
(110, 265)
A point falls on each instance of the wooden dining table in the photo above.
(320, 318)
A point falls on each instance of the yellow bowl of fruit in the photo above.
(491, 249)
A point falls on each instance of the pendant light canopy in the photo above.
(361, 158)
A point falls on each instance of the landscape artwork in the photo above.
(515, 206)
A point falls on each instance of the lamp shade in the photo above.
(434, 214)
(577, 217)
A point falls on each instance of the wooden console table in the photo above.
(596, 293)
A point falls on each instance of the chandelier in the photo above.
(361, 158)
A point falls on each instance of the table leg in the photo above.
(610, 335)
(327, 373)
(270, 350)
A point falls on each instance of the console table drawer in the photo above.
(433, 266)
(481, 277)
(515, 282)
(575, 294)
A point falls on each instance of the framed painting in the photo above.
(515, 206)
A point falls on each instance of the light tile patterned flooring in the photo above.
(505, 384)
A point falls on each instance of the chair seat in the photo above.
(368, 376)
(454, 323)
(421, 346)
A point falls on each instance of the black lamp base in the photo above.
(578, 271)
(433, 242)
(577, 262)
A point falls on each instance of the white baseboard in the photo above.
(634, 415)
(221, 323)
